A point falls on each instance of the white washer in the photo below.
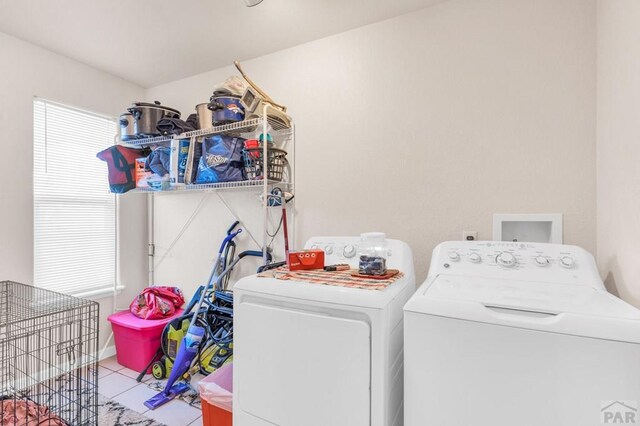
(317, 355)
(505, 334)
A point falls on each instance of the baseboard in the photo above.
(108, 352)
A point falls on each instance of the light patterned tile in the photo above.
(114, 384)
(134, 374)
(135, 397)
(196, 422)
(103, 372)
(111, 363)
(174, 413)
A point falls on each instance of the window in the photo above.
(74, 214)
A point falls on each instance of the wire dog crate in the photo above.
(48, 358)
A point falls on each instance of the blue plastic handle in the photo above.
(232, 227)
(254, 253)
(228, 238)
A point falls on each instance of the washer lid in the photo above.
(561, 308)
(549, 298)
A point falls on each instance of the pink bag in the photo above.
(157, 302)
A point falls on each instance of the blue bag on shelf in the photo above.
(221, 160)
(159, 161)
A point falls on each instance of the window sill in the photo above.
(100, 294)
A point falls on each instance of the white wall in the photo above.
(619, 146)
(27, 71)
(423, 126)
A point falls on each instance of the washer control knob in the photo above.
(506, 259)
(349, 250)
(315, 247)
(567, 262)
(453, 255)
(542, 261)
(328, 249)
(475, 258)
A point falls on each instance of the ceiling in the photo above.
(151, 42)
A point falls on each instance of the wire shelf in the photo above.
(247, 125)
(148, 141)
(251, 126)
(244, 184)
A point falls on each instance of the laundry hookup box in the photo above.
(137, 340)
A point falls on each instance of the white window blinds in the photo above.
(74, 214)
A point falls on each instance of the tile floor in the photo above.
(119, 383)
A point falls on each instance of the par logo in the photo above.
(619, 412)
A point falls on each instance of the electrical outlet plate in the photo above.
(470, 235)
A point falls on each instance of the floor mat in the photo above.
(110, 413)
(191, 396)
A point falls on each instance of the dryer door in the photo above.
(299, 368)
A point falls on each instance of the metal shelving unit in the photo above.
(246, 127)
(283, 135)
(243, 184)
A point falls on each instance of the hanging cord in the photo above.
(229, 257)
(273, 236)
(182, 230)
(283, 199)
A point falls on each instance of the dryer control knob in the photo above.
(328, 249)
(506, 259)
(349, 250)
(453, 255)
(567, 262)
(542, 261)
(475, 258)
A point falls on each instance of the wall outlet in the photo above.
(470, 235)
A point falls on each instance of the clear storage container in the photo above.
(373, 253)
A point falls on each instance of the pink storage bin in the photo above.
(137, 340)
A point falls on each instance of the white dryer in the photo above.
(505, 334)
(316, 355)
